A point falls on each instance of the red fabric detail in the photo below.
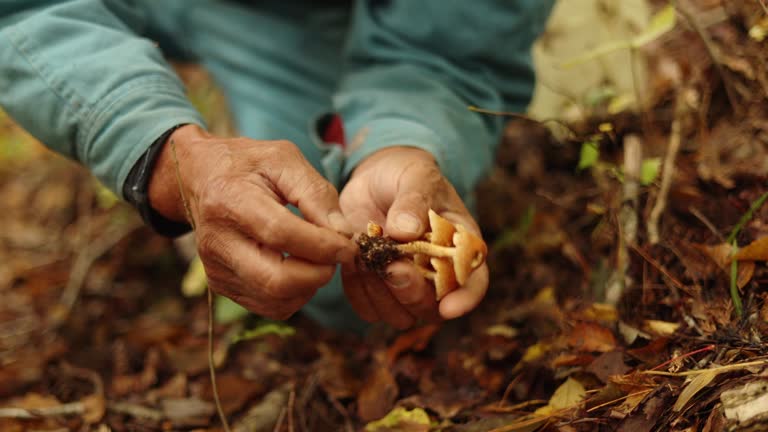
(334, 132)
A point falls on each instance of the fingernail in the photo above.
(399, 281)
(339, 223)
(408, 223)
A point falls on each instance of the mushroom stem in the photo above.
(426, 248)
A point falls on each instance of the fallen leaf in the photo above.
(607, 365)
(377, 395)
(187, 411)
(401, 419)
(755, 251)
(592, 337)
(412, 340)
(263, 416)
(661, 328)
(694, 386)
(568, 395)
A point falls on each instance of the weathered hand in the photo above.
(395, 187)
(237, 190)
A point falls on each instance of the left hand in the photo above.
(395, 187)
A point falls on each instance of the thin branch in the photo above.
(211, 366)
(667, 171)
(762, 3)
(707, 223)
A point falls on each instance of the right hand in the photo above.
(237, 189)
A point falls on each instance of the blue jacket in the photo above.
(89, 78)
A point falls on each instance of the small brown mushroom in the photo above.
(447, 258)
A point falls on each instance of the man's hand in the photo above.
(237, 190)
(395, 187)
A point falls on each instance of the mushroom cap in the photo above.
(445, 278)
(470, 253)
(374, 229)
(442, 229)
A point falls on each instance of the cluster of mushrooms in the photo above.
(446, 255)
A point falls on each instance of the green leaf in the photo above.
(399, 419)
(194, 282)
(516, 235)
(649, 171)
(227, 311)
(264, 328)
(590, 152)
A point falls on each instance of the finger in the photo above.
(225, 282)
(467, 297)
(412, 290)
(417, 186)
(387, 307)
(354, 289)
(257, 215)
(266, 271)
(280, 229)
(301, 185)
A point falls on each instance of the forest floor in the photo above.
(628, 290)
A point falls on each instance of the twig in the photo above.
(661, 269)
(135, 410)
(291, 403)
(667, 171)
(686, 355)
(343, 411)
(707, 223)
(523, 117)
(762, 3)
(714, 54)
(628, 220)
(211, 366)
(67, 409)
(280, 420)
(719, 370)
(83, 262)
(611, 402)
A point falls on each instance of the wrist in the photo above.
(165, 184)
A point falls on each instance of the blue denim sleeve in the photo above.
(80, 77)
(413, 67)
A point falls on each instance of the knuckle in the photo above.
(213, 201)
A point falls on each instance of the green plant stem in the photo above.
(746, 217)
(735, 297)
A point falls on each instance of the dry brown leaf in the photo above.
(591, 337)
(412, 340)
(378, 394)
(755, 251)
(722, 254)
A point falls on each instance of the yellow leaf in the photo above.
(195, 281)
(661, 328)
(568, 395)
(755, 251)
(694, 386)
(398, 419)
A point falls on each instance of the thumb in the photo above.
(407, 217)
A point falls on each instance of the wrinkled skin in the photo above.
(237, 189)
(395, 187)
(258, 253)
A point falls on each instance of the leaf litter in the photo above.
(546, 351)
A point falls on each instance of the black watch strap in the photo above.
(136, 190)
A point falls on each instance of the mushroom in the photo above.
(453, 254)
(447, 257)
